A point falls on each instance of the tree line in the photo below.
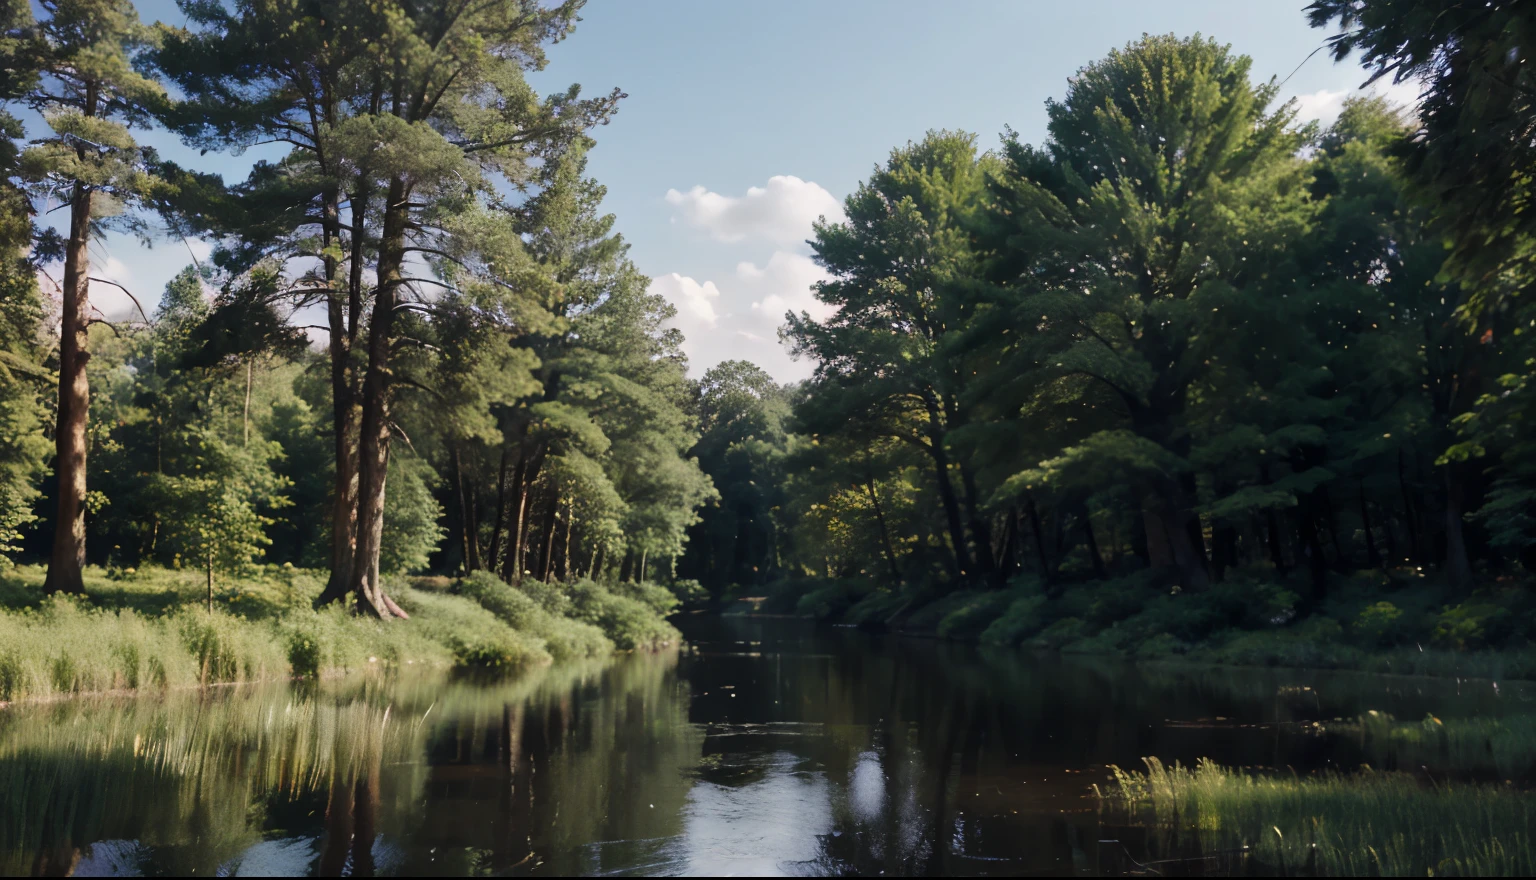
(1186, 335)
(490, 368)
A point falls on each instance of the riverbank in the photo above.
(1391, 622)
(152, 629)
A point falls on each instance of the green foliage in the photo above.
(1380, 624)
(411, 516)
(630, 623)
(563, 638)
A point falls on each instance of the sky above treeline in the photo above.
(747, 121)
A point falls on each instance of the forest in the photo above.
(1188, 376)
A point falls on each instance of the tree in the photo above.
(23, 448)
(885, 357)
(90, 95)
(1137, 244)
(212, 517)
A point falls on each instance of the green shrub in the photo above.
(971, 618)
(1019, 621)
(474, 635)
(877, 607)
(1061, 633)
(1380, 624)
(660, 599)
(563, 638)
(1473, 625)
(830, 598)
(630, 623)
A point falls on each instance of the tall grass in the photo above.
(150, 630)
(1381, 824)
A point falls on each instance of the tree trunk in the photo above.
(946, 488)
(1171, 524)
(1093, 547)
(981, 531)
(1458, 567)
(467, 525)
(547, 562)
(343, 405)
(565, 558)
(374, 432)
(885, 534)
(1039, 535)
(1410, 515)
(210, 580)
(67, 560)
(511, 566)
(1372, 557)
(493, 557)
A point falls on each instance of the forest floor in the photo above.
(1400, 622)
(153, 629)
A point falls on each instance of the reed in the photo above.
(1383, 824)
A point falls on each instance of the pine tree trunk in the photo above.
(546, 562)
(468, 544)
(343, 406)
(493, 557)
(565, 560)
(510, 567)
(374, 431)
(67, 560)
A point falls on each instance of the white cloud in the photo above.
(695, 302)
(781, 212)
(784, 285)
(739, 319)
(1324, 105)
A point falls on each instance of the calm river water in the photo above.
(763, 747)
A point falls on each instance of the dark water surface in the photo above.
(763, 747)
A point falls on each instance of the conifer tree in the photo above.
(89, 94)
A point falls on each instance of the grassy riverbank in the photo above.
(1329, 823)
(152, 629)
(1398, 622)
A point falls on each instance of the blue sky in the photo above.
(746, 120)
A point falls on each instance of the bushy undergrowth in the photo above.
(625, 617)
(1372, 621)
(152, 629)
(563, 637)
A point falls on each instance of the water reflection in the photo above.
(767, 747)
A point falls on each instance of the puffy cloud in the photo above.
(1324, 105)
(784, 284)
(781, 212)
(695, 302)
(740, 318)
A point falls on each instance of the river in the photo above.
(761, 747)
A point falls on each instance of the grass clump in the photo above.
(151, 629)
(475, 636)
(563, 637)
(1332, 823)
